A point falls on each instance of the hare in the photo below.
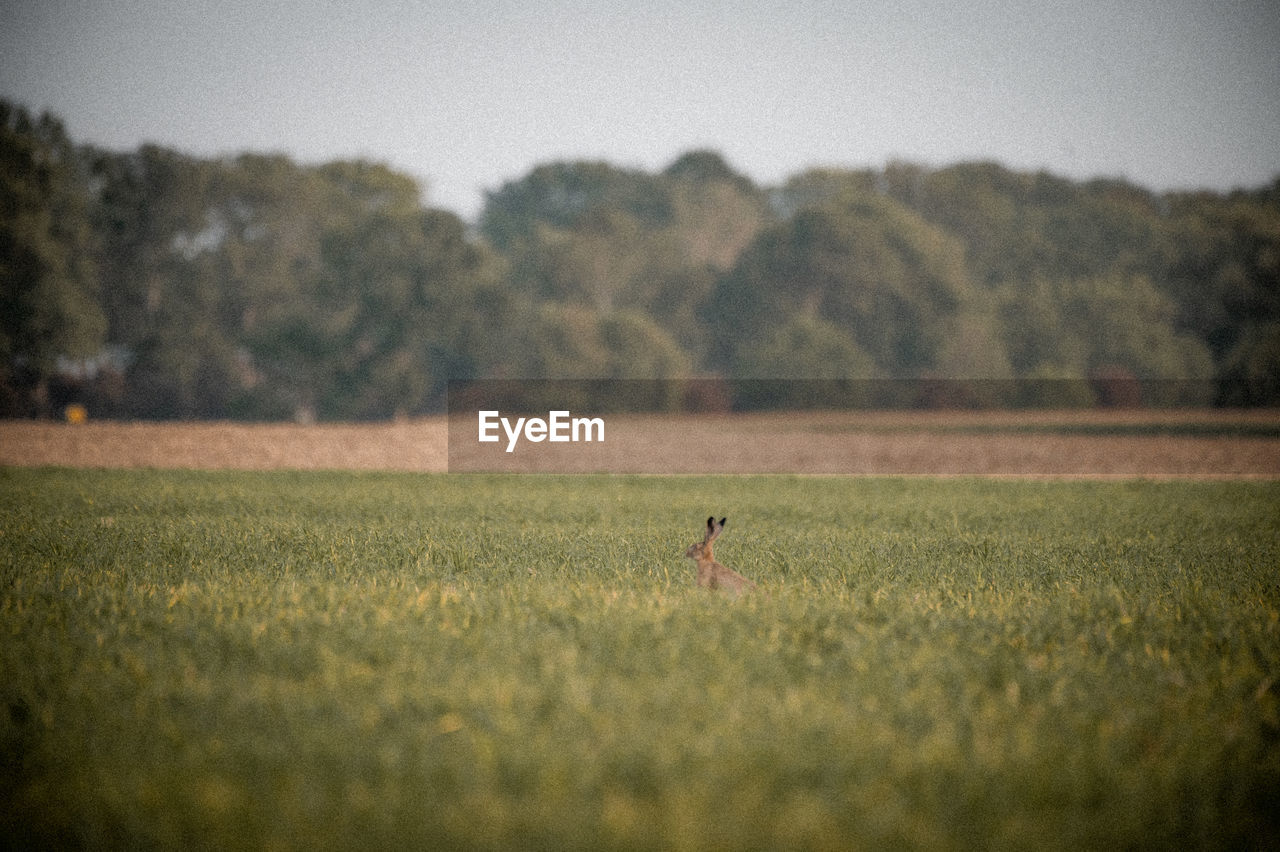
(711, 574)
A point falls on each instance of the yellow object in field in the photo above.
(76, 413)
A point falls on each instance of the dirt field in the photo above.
(419, 445)
(1138, 443)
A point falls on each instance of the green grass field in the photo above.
(333, 661)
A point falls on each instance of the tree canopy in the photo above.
(152, 283)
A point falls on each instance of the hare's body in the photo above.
(711, 574)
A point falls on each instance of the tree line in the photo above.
(155, 284)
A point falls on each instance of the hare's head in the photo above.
(701, 550)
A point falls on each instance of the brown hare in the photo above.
(711, 574)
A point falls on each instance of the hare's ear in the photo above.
(714, 529)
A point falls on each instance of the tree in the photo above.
(615, 240)
(570, 356)
(805, 362)
(862, 264)
(717, 212)
(561, 195)
(255, 287)
(160, 290)
(1016, 226)
(574, 342)
(703, 166)
(1250, 372)
(1109, 325)
(1223, 272)
(49, 310)
(392, 301)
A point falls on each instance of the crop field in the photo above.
(1138, 442)
(334, 660)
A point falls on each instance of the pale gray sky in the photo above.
(1167, 93)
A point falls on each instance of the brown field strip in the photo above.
(418, 445)
(1198, 444)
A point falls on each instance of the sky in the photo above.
(464, 96)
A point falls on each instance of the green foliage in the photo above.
(1187, 276)
(156, 284)
(805, 347)
(804, 363)
(337, 660)
(1225, 276)
(1020, 225)
(862, 264)
(609, 239)
(572, 342)
(265, 289)
(1076, 329)
(49, 305)
(1251, 370)
(561, 195)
